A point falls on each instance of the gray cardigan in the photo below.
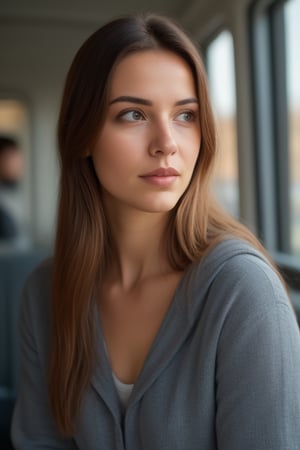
(223, 372)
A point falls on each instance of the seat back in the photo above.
(15, 266)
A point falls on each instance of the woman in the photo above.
(160, 323)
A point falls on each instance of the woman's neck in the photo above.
(139, 245)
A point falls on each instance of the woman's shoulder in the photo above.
(242, 263)
(237, 256)
(39, 280)
(248, 284)
(236, 271)
(35, 303)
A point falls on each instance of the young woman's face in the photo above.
(148, 146)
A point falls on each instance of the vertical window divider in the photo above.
(280, 125)
(263, 107)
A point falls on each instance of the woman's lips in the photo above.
(161, 177)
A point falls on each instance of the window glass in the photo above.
(292, 20)
(220, 69)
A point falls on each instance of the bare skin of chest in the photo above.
(131, 320)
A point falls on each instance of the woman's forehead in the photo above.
(152, 72)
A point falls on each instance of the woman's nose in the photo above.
(162, 141)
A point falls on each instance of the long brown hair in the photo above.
(82, 246)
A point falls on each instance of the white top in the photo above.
(124, 390)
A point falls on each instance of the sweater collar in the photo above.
(184, 310)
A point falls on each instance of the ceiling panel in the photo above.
(88, 11)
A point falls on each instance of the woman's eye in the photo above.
(186, 116)
(132, 116)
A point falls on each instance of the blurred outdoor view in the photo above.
(292, 17)
(220, 69)
(220, 66)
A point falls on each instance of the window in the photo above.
(291, 20)
(220, 69)
(275, 37)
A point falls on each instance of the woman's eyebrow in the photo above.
(143, 101)
(130, 99)
(186, 101)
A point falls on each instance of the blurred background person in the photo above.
(12, 166)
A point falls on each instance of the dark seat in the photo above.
(15, 267)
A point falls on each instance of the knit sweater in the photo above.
(223, 372)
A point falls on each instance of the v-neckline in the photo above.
(102, 379)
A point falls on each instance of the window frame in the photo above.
(270, 123)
